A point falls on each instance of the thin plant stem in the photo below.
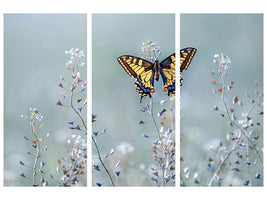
(235, 146)
(172, 107)
(163, 173)
(71, 99)
(249, 177)
(157, 131)
(222, 96)
(98, 152)
(101, 161)
(37, 151)
(153, 119)
(71, 104)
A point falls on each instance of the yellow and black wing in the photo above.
(186, 56)
(168, 74)
(142, 70)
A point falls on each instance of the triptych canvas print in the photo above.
(127, 114)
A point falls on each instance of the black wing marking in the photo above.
(186, 56)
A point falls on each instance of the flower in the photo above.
(125, 148)
(150, 51)
(217, 56)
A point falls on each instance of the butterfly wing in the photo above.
(186, 56)
(167, 72)
(142, 70)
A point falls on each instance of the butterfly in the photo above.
(145, 72)
(186, 56)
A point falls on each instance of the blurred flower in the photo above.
(217, 56)
(125, 148)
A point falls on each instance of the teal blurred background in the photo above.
(34, 58)
(114, 99)
(240, 37)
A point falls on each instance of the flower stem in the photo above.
(37, 155)
(153, 119)
(235, 146)
(102, 163)
(71, 104)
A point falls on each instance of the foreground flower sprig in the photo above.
(150, 51)
(74, 165)
(78, 159)
(34, 119)
(163, 149)
(243, 136)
